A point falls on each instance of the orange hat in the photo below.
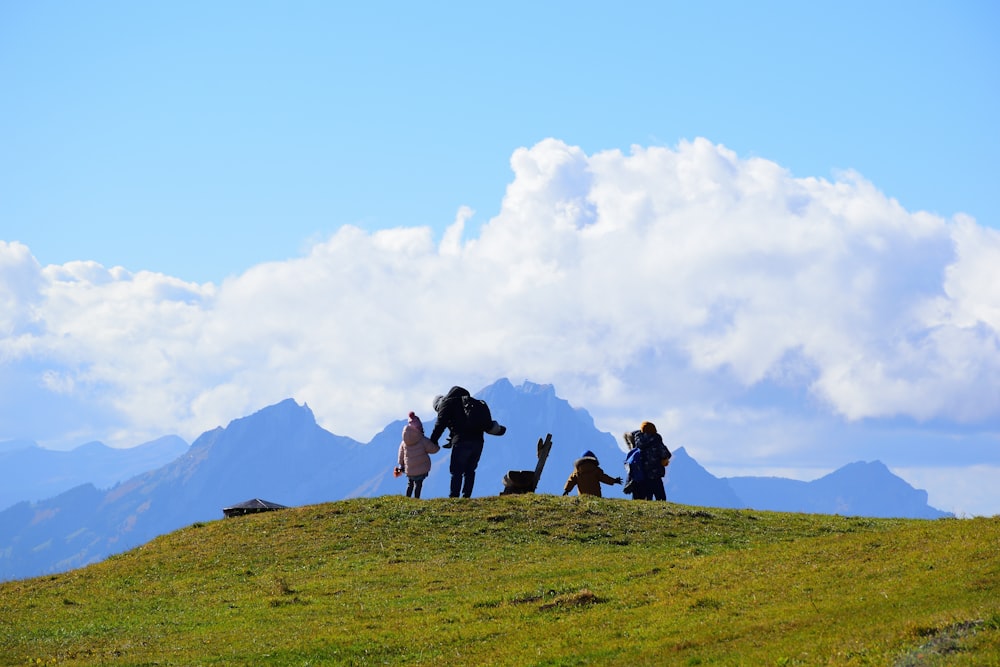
(648, 428)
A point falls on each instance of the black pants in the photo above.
(464, 460)
(649, 489)
(414, 485)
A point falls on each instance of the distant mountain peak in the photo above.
(865, 488)
(863, 470)
(16, 445)
(287, 408)
(281, 415)
(92, 447)
(504, 387)
(502, 383)
(533, 388)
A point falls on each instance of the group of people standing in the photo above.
(467, 420)
(645, 464)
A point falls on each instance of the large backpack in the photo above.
(477, 414)
(654, 454)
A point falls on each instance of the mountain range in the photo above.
(280, 454)
(30, 472)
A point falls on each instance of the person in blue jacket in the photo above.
(654, 457)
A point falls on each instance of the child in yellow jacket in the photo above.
(587, 476)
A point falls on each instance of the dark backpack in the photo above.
(477, 414)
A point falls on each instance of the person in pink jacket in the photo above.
(414, 455)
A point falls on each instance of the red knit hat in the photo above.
(415, 421)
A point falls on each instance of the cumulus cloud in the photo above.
(660, 283)
(20, 282)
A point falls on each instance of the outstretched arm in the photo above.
(439, 427)
(446, 418)
(608, 479)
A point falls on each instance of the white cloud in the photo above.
(661, 283)
(19, 285)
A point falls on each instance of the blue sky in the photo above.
(198, 139)
(772, 227)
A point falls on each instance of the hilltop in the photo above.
(282, 455)
(516, 580)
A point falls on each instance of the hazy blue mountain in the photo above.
(30, 472)
(14, 445)
(280, 454)
(861, 489)
(690, 484)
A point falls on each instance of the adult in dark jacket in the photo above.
(654, 458)
(464, 440)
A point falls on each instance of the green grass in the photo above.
(524, 580)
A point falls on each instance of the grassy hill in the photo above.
(524, 580)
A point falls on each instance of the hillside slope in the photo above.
(516, 580)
